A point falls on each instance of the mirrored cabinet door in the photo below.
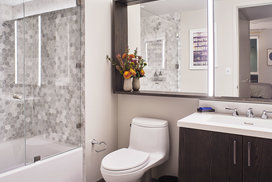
(171, 36)
(243, 48)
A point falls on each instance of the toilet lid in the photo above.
(124, 159)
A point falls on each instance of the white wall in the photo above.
(101, 104)
(225, 84)
(191, 80)
(134, 27)
(170, 109)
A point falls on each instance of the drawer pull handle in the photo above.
(234, 152)
(248, 154)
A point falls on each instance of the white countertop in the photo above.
(224, 123)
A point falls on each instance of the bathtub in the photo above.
(64, 167)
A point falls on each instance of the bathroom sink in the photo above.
(224, 123)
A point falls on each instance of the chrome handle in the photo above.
(248, 154)
(250, 113)
(234, 152)
(264, 114)
(235, 111)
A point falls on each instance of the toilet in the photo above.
(148, 148)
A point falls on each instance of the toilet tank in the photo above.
(149, 135)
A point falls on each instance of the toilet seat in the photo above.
(125, 161)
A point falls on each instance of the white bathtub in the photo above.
(65, 167)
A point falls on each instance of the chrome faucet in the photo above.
(264, 115)
(235, 111)
(250, 113)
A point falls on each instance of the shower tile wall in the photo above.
(54, 108)
(11, 110)
(156, 28)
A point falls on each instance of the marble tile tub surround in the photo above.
(242, 108)
(54, 108)
(154, 28)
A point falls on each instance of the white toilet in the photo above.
(148, 148)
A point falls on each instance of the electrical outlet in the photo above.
(228, 71)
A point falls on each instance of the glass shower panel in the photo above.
(159, 47)
(52, 78)
(12, 123)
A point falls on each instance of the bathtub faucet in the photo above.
(17, 97)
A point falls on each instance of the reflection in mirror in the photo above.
(154, 53)
(172, 37)
(243, 64)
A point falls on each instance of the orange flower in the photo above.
(124, 56)
(142, 72)
(127, 75)
(132, 71)
(131, 56)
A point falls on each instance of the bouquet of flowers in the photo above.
(129, 65)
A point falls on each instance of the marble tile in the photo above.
(55, 108)
(161, 29)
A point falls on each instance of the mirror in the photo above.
(243, 59)
(172, 37)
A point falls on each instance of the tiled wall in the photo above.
(165, 28)
(54, 108)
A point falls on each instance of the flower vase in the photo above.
(136, 84)
(127, 85)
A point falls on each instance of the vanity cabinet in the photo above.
(207, 156)
(257, 157)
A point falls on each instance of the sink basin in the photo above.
(224, 123)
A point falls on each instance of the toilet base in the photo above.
(147, 177)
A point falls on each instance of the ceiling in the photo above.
(161, 7)
(262, 24)
(260, 17)
(257, 12)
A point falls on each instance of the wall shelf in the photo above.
(195, 96)
(162, 94)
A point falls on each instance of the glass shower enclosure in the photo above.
(40, 80)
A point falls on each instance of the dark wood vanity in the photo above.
(206, 156)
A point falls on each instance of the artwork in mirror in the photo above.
(172, 37)
(198, 49)
(243, 47)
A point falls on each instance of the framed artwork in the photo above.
(269, 57)
(198, 49)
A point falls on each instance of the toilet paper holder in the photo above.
(96, 143)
